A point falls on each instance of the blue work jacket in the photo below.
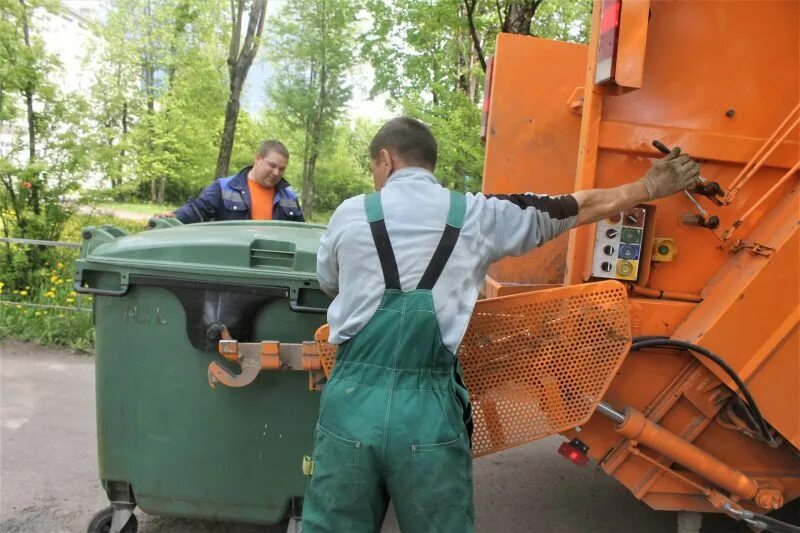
(229, 199)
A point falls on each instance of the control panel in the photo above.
(618, 245)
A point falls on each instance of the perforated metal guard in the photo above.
(537, 363)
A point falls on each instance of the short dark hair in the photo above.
(409, 139)
(271, 145)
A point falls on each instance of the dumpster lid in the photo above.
(238, 248)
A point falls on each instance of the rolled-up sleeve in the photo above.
(516, 223)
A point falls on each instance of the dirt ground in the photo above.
(49, 483)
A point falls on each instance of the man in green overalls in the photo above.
(404, 266)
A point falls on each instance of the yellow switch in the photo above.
(664, 249)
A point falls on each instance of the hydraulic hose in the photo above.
(777, 525)
(759, 521)
(655, 342)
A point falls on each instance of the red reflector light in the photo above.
(572, 451)
(607, 43)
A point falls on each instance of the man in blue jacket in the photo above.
(257, 192)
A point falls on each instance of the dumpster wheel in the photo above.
(101, 522)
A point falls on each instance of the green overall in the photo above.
(393, 417)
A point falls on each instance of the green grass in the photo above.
(48, 311)
(144, 209)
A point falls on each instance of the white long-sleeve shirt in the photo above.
(415, 209)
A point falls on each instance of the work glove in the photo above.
(673, 173)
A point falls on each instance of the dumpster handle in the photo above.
(297, 308)
(100, 292)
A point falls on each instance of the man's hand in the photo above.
(669, 175)
(673, 173)
(164, 215)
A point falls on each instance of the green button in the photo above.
(631, 235)
(663, 249)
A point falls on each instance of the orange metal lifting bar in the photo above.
(778, 184)
(759, 158)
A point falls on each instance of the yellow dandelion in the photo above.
(23, 293)
(59, 265)
(70, 300)
(16, 292)
(53, 278)
(73, 294)
(59, 281)
(19, 307)
(50, 294)
(37, 313)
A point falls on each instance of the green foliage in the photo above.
(342, 173)
(563, 20)
(312, 55)
(43, 166)
(424, 59)
(160, 98)
(46, 309)
(58, 316)
(455, 122)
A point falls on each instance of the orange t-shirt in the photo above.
(261, 199)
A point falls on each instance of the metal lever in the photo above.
(704, 219)
(704, 187)
(256, 356)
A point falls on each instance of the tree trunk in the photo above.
(472, 79)
(519, 15)
(122, 151)
(162, 185)
(228, 132)
(239, 61)
(470, 6)
(316, 139)
(33, 201)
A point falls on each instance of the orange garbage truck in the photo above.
(662, 342)
(702, 413)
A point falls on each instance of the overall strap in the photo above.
(455, 219)
(372, 204)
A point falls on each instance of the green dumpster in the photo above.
(163, 299)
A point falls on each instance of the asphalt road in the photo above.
(49, 484)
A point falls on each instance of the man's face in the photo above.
(268, 171)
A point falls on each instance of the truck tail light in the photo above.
(575, 451)
(607, 43)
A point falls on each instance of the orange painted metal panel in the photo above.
(695, 76)
(632, 43)
(531, 141)
(750, 311)
(717, 79)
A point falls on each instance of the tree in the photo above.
(312, 57)
(159, 97)
(424, 58)
(431, 59)
(43, 160)
(239, 60)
